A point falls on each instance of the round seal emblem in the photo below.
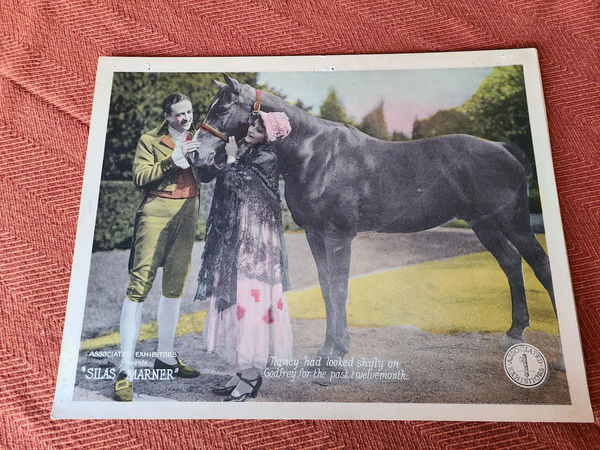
(525, 365)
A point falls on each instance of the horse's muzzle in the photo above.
(202, 157)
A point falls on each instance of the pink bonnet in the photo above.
(277, 125)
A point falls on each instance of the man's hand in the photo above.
(190, 146)
(181, 150)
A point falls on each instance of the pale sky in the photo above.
(406, 94)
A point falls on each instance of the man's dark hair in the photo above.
(171, 100)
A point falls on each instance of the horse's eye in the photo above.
(223, 109)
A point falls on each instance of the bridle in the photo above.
(206, 127)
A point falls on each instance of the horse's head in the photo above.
(205, 155)
(231, 108)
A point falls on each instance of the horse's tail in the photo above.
(520, 156)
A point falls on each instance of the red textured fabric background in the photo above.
(48, 57)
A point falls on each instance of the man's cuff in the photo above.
(220, 160)
(180, 160)
(168, 164)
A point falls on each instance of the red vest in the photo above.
(185, 186)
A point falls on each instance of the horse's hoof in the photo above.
(325, 351)
(321, 381)
(324, 354)
(509, 341)
(339, 351)
(559, 364)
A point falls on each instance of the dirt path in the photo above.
(390, 250)
(461, 368)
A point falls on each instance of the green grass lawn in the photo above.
(463, 294)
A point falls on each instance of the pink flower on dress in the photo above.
(240, 312)
(280, 304)
(255, 294)
(268, 317)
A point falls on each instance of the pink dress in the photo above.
(250, 323)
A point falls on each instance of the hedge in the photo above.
(117, 204)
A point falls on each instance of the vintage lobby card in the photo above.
(417, 198)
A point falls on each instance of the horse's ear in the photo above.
(232, 83)
(219, 84)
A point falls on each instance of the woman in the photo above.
(244, 264)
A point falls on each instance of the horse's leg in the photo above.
(510, 262)
(317, 247)
(338, 258)
(531, 250)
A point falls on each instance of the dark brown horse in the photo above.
(340, 181)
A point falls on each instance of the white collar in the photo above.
(179, 136)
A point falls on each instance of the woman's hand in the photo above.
(231, 149)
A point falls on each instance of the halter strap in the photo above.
(206, 127)
(256, 106)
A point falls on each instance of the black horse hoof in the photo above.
(508, 341)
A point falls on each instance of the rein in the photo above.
(206, 127)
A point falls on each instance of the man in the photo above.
(163, 236)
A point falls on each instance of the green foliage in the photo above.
(200, 233)
(399, 136)
(117, 205)
(374, 124)
(497, 111)
(287, 221)
(300, 104)
(448, 121)
(535, 203)
(135, 108)
(331, 109)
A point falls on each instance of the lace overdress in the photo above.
(244, 265)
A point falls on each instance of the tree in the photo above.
(496, 111)
(447, 121)
(374, 123)
(300, 104)
(399, 136)
(331, 109)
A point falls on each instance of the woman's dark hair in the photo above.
(255, 115)
(171, 100)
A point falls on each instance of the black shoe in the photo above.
(223, 390)
(226, 390)
(179, 368)
(254, 384)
